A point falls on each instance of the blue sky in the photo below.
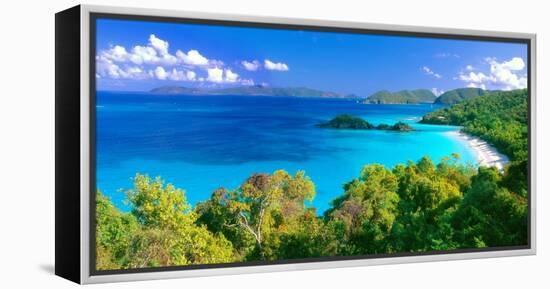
(139, 56)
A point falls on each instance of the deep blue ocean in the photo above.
(200, 143)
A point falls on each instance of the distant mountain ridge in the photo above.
(252, 90)
(402, 97)
(175, 90)
(414, 96)
(460, 94)
(425, 96)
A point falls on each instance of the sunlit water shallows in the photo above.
(200, 143)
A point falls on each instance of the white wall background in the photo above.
(27, 142)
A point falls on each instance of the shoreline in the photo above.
(486, 154)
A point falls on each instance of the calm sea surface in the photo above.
(200, 143)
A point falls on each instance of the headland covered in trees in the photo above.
(421, 205)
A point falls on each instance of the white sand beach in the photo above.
(485, 153)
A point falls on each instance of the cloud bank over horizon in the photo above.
(154, 61)
(505, 75)
(139, 56)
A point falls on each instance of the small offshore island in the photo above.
(346, 121)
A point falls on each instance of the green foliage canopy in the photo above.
(413, 207)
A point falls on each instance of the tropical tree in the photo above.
(263, 205)
(160, 230)
(428, 196)
(114, 231)
(490, 214)
(169, 225)
(367, 210)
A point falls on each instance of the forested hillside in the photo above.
(500, 118)
(413, 207)
(402, 97)
(460, 94)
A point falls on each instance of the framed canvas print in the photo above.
(193, 144)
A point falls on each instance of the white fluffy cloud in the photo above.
(437, 91)
(160, 73)
(277, 66)
(429, 71)
(180, 75)
(193, 57)
(176, 75)
(107, 68)
(155, 61)
(160, 45)
(154, 53)
(251, 65)
(506, 75)
(515, 63)
(117, 53)
(219, 75)
(230, 76)
(215, 75)
(143, 55)
(191, 75)
(475, 77)
(254, 65)
(150, 61)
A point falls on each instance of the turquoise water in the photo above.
(200, 143)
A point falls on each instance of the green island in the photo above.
(460, 94)
(412, 207)
(401, 97)
(346, 121)
(424, 96)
